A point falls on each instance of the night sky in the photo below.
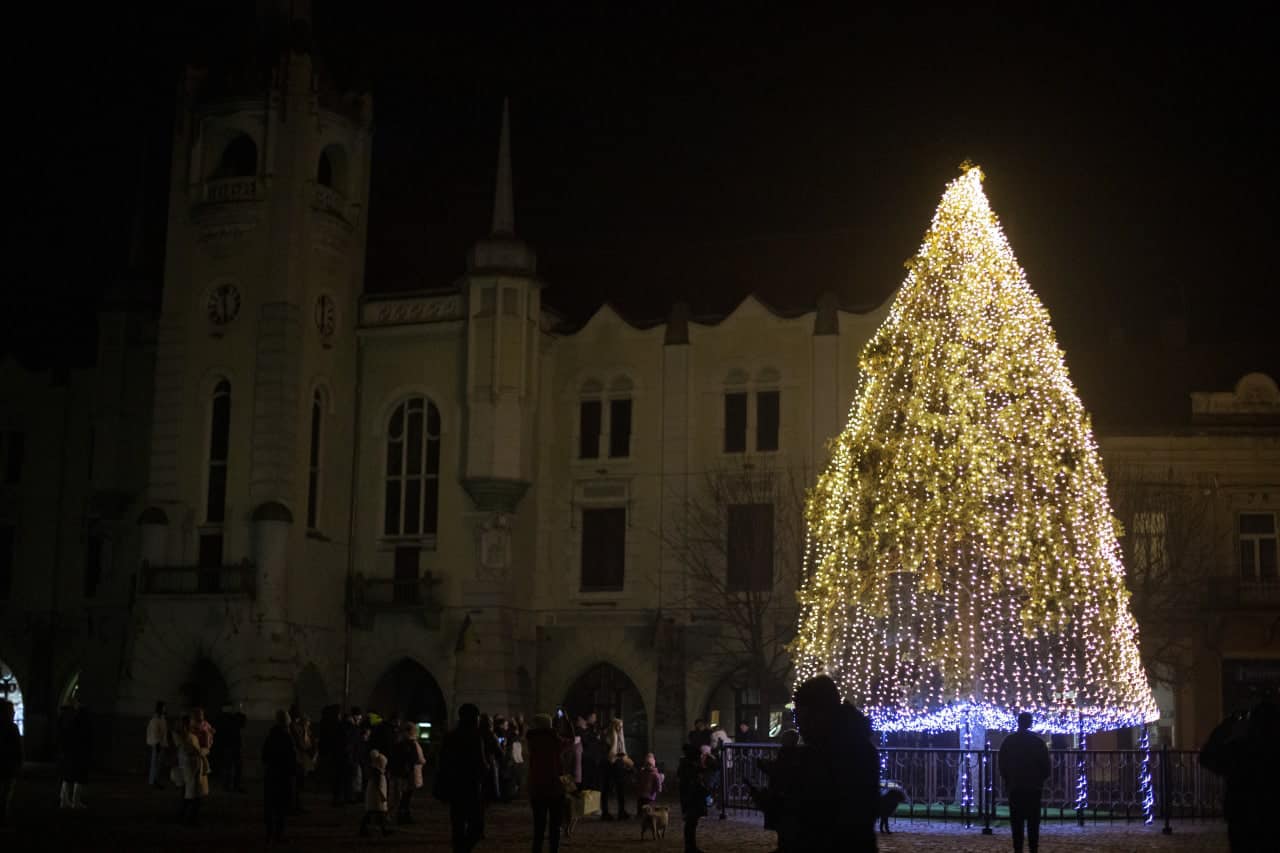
(705, 151)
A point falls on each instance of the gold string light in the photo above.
(962, 562)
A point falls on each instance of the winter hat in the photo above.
(377, 760)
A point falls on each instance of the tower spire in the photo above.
(504, 217)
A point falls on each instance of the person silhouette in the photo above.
(1024, 765)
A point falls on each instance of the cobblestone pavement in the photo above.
(125, 815)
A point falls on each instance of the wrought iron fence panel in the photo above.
(966, 784)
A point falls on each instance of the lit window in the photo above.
(1258, 547)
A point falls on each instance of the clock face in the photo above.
(224, 304)
(326, 315)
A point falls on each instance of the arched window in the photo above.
(239, 159)
(324, 170)
(331, 168)
(313, 464)
(413, 469)
(215, 508)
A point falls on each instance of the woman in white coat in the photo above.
(193, 762)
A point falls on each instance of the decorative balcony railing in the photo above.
(1235, 592)
(237, 580)
(222, 190)
(329, 200)
(368, 597)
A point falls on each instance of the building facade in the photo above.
(279, 488)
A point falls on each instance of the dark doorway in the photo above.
(205, 687)
(606, 690)
(407, 688)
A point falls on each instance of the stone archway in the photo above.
(204, 687)
(608, 691)
(310, 694)
(410, 690)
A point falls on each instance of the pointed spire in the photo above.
(504, 216)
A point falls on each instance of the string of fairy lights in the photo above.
(962, 562)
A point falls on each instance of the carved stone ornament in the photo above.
(495, 543)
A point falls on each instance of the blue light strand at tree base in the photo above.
(954, 717)
(1146, 790)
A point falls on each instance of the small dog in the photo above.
(891, 796)
(572, 806)
(653, 819)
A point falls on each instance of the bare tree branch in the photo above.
(751, 623)
(1170, 537)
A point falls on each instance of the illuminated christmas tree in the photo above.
(962, 562)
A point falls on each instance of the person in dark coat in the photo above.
(279, 761)
(461, 777)
(332, 748)
(746, 734)
(1245, 750)
(1024, 766)
(833, 799)
(546, 792)
(693, 775)
(701, 735)
(230, 747)
(589, 750)
(10, 758)
(75, 747)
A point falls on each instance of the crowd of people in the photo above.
(566, 767)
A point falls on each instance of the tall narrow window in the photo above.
(619, 428)
(93, 558)
(313, 465)
(767, 417)
(1258, 544)
(12, 457)
(219, 443)
(589, 422)
(750, 548)
(412, 497)
(1150, 556)
(604, 540)
(735, 422)
(6, 561)
(405, 589)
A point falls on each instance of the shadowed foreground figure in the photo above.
(832, 797)
(278, 761)
(460, 779)
(1245, 751)
(1024, 766)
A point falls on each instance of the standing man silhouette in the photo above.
(1024, 766)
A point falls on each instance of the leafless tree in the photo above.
(740, 540)
(1171, 538)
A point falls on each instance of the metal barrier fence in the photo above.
(965, 785)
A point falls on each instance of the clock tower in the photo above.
(249, 481)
